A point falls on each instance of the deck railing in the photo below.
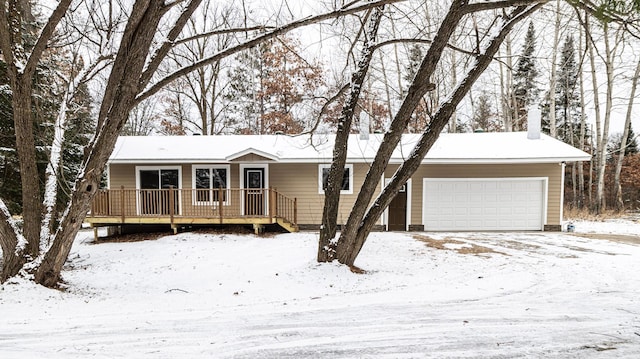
(194, 203)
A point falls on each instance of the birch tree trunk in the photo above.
(598, 201)
(601, 164)
(506, 84)
(553, 132)
(583, 127)
(625, 137)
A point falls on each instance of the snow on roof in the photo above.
(495, 147)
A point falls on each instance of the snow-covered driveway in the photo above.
(425, 295)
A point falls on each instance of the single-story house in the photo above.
(469, 181)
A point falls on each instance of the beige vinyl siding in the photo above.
(122, 175)
(551, 170)
(301, 181)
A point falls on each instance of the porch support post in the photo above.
(122, 203)
(220, 201)
(295, 211)
(275, 203)
(172, 202)
(272, 205)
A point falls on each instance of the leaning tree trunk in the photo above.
(625, 138)
(326, 244)
(350, 247)
(419, 87)
(117, 103)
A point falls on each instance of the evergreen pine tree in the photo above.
(79, 130)
(420, 117)
(632, 142)
(242, 110)
(415, 58)
(45, 105)
(615, 144)
(524, 87)
(484, 117)
(47, 95)
(567, 100)
(10, 189)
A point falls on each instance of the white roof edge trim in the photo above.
(142, 162)
(364, 160)
(503, 160)
(252, 150)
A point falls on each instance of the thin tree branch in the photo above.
(255, 41)
(487, 5)
(162, 52)
(222, 32)
(422, 41)
(326, 105)
(45, 35)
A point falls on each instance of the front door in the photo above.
(398, 211)
(254, 192)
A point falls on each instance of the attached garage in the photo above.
(487, 204)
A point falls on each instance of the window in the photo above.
(211, 184)
(347, 179)
(158, 178)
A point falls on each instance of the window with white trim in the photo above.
(347, 178)
(211, 184)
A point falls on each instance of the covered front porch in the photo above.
(180, 207)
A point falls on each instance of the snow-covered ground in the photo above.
(425, 295)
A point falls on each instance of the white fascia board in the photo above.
(317, 160)
(168, 161)
(502, 160)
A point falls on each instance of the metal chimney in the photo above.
(534, 118)
(364, 126)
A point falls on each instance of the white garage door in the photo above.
(484, 204)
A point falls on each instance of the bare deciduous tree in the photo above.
(362, 217)
(625, 138)
(134, 65)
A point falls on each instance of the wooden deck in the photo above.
(178, 207)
